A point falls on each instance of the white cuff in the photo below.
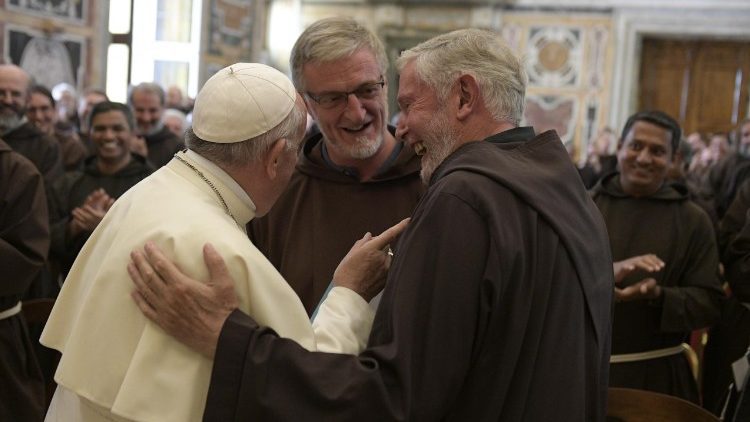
(343, 322)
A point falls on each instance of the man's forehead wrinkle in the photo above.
(344, 74)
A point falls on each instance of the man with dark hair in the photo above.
(159, 143)
(18, 132)
(498, 303)
(656, 311)
(41, 112)
(80, 199)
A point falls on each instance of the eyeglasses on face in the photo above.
(331, 100)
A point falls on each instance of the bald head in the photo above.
(14, 96)
(15, 72)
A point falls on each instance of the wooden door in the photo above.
(704, 84)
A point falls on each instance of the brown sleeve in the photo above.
(24, 227)
(417, 357)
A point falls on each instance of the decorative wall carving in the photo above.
(69, 10)
(51, 60)
(54, 41)
(231, 26)
(552, 112)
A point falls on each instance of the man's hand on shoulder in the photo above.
(191, 311)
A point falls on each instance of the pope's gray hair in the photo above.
(500, 73)
(254, 149)
(332, 39)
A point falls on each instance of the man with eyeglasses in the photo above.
(351, 178)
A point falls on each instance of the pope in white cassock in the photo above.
(116, 365)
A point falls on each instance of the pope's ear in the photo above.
(273, 157)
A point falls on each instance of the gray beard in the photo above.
(155, 130)
(443, 139)
(10, 123)
(366, 148)
(744, 150)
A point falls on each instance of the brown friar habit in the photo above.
(71, 192)
(24, 241)
(676, 230)
(162, 146)
(728, 340)
(497, 307)
(325, 210)
(725, 178)
(40, 149)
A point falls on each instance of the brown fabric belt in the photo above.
(651, 354)
(10, 311)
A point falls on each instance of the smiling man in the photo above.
(18, 132)
(147, 100)
(41, 113)
(352, 177)
(655, 312)
(80, 199)
(498, 302)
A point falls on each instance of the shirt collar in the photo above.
(223, 176)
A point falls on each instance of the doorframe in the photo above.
(632, 25)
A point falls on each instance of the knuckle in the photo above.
(149, 274)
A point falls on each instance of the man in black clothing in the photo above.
(81, 199)
(656, 312)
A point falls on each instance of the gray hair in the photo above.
(332, 39)
(173, 112)
(253, 149)
(150, 88)
(480, 53)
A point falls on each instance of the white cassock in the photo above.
(116, 364)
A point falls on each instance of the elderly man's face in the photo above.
(174, 124)
(354, 128)
(147, 110)
(41, 113)
(14, 84)
(425, 124)
(88, 102)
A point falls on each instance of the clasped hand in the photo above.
(645, 289)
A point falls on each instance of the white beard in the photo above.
(438, 145)
(365, 148)
(9, 122)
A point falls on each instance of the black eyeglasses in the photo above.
(331, 100)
